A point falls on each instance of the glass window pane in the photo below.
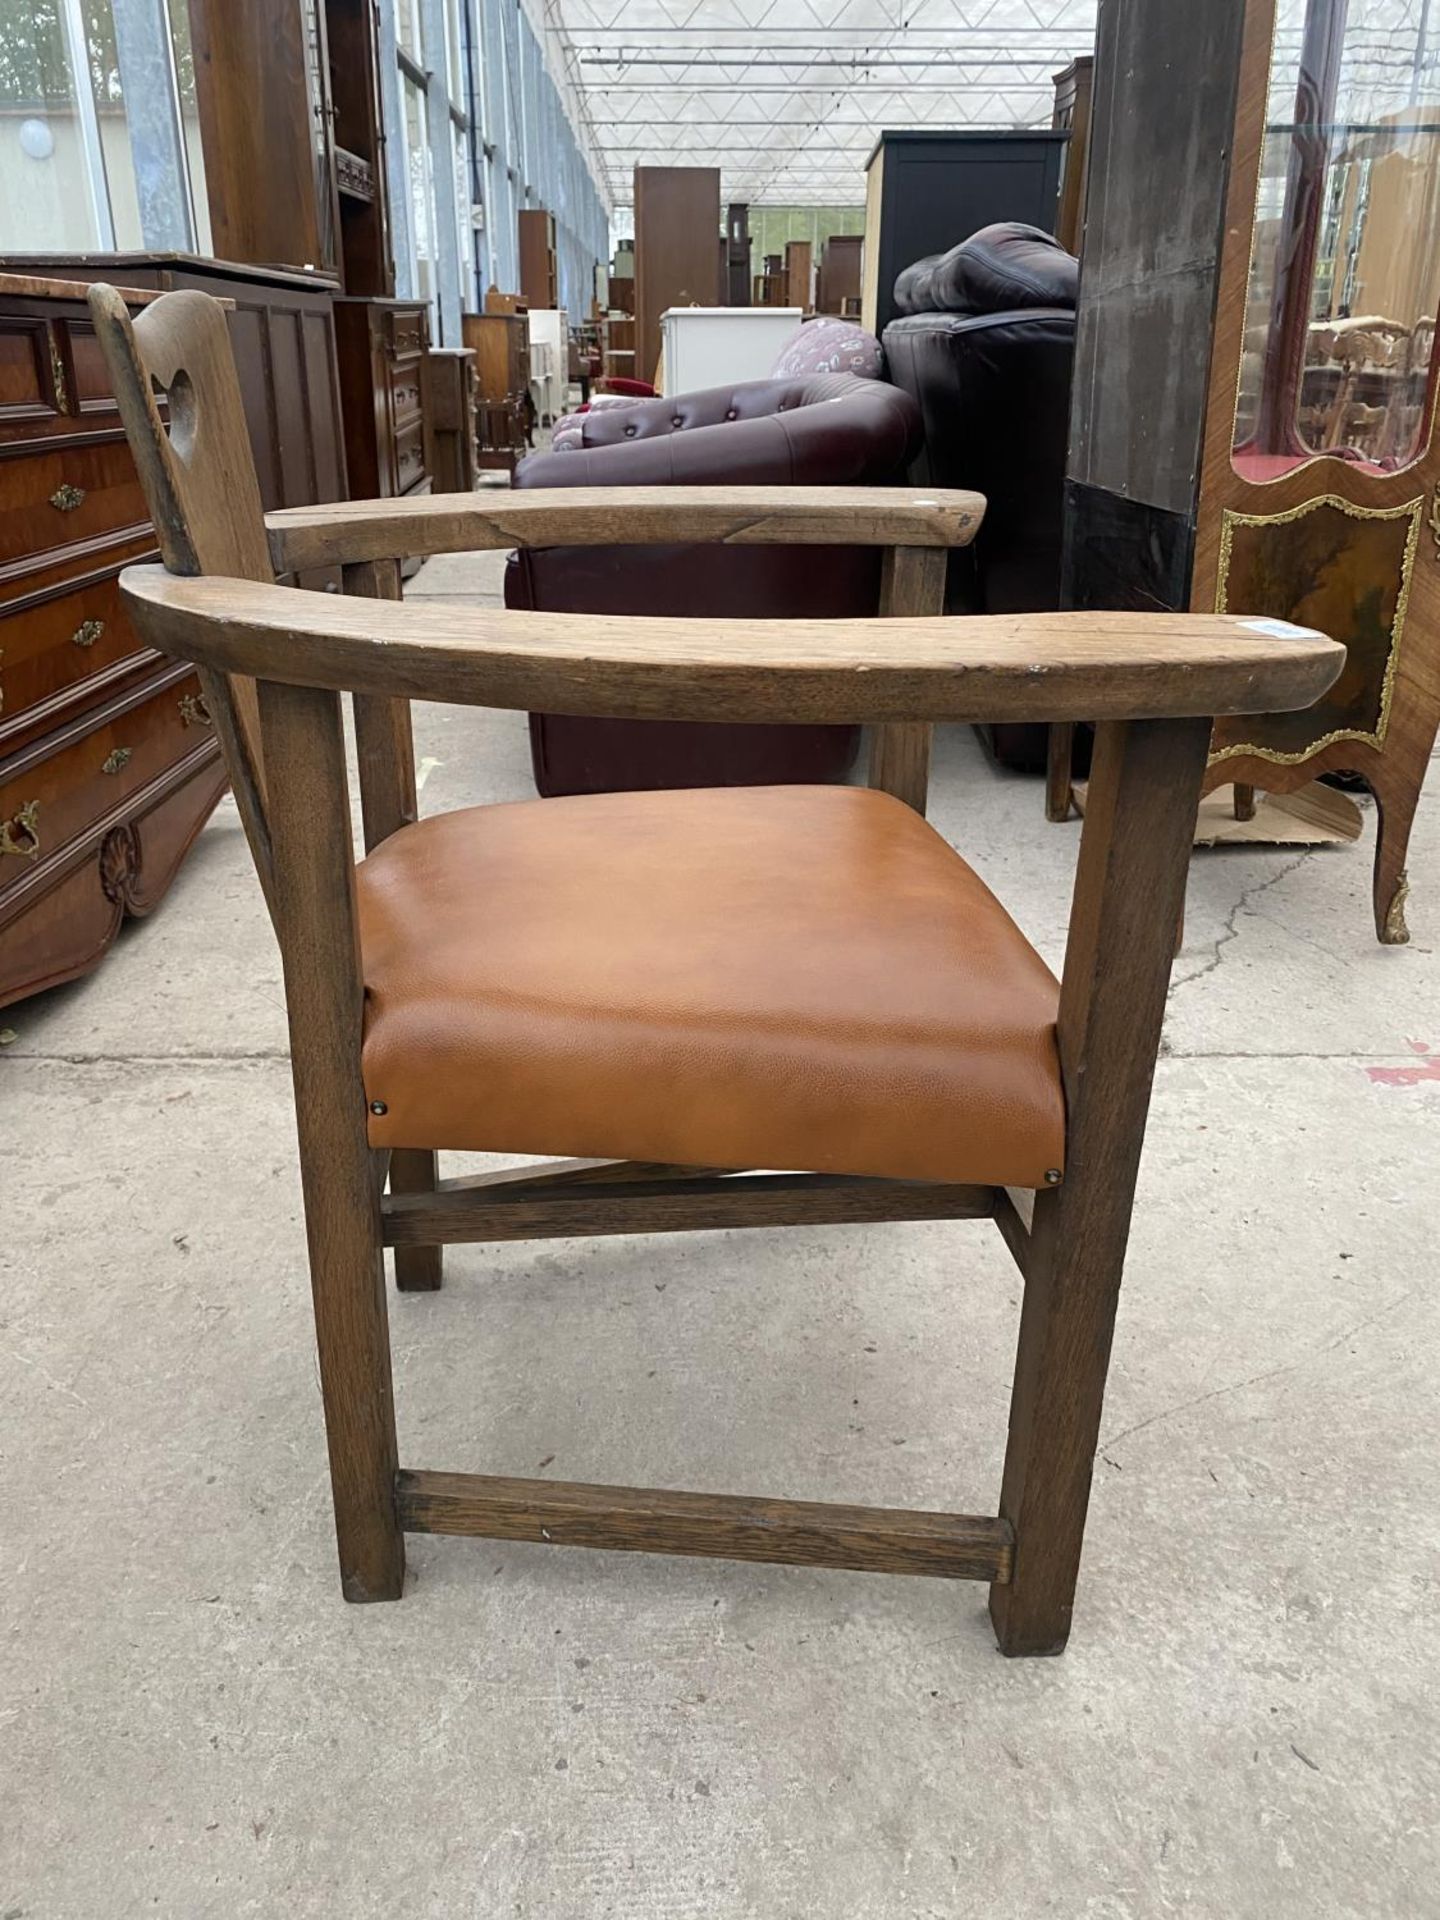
(465, 232)
(45, 203)
(422, 197)
(407, 29)
(454, 48)
(1345, 271)
(190, 121)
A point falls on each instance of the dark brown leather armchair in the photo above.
(824, 430)
(984, 345)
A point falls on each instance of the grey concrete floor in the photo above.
(193, 1724)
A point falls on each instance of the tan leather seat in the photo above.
(805, 978)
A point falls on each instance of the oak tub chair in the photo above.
(827, 987)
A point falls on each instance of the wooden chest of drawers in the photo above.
(108, 767)
(108, 763)
(384, 391)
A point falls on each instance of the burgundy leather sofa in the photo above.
(823, 430)
(984, 345)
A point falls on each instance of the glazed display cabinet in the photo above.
(1254, 426)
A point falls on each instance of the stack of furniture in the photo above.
(109, 764)
(1216, 461)
(503, 407)
(539, 279)
(837, 282)
(923, 190)
(677, 225)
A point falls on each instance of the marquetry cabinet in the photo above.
(109, 765)
(1254, 400)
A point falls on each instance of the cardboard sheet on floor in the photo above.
(1312, 816)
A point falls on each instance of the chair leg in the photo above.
(1129, 896)
(417, 1269)
(315, 917)
(1066, 1322)
(347, 1280)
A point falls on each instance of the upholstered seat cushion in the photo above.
(806, 978)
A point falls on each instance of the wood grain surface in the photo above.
(719, 1526)
(302, 537)
(1038, 666)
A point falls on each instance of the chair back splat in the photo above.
(201, 486)
(667, 993)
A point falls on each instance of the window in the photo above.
(99, 137)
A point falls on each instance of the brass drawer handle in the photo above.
(121, 757)
(193, 711)
(65, 499)
(22, 834)
(87, 633)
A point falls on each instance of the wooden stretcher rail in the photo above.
(715, 1526)
(460, 1212)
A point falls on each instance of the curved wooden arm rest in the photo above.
(354, 530)
(1039, 666)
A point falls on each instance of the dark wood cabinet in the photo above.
(837, 287)
(501, 344)
(452, 418)
(108, 763)
(677, 264)
(539, 285)
(798, 275)
(262, 86)
(352, 32)
(290, 115)
(737, 254)
(282, 330)
(383, 350)
(926, 192)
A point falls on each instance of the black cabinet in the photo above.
(925, 192)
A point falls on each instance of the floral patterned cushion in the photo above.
(830, 346)
(568, 433)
